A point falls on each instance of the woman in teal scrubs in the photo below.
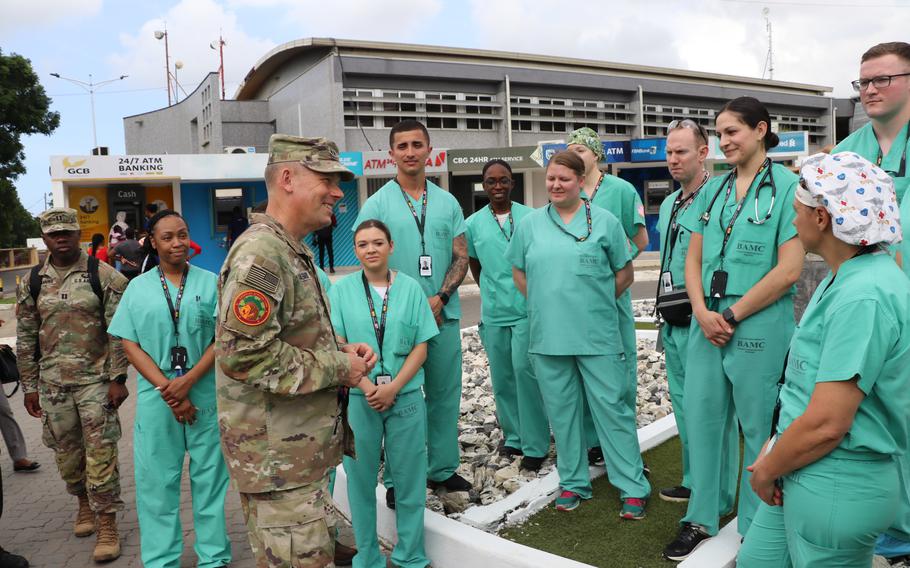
(742, 263)
(166, 320)
(828, 478)
(571, 260)
(387, 310)
(620, 198)
(504, 320)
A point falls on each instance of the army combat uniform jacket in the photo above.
(66, 324)
(278, 366)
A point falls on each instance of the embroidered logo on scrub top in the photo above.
(251, 307)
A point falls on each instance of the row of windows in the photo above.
(376, 108)
(544, 114)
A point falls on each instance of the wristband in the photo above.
(444, 297)
(120, 379)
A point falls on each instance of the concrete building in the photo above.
(477, 104)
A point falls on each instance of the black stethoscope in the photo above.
(727, 183)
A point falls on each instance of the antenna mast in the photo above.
(769, 60)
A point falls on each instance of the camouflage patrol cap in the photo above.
(317, 154)
(58, 219)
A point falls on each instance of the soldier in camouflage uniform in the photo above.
(73, 375)
(279, 367)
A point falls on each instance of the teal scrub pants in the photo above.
(403, 429)
(442, 387)
(630, 346)
(159, 447)
(565, 382)
(519, 406)
(676, 344)
(833, 511)
(900, 529)
(735, 382)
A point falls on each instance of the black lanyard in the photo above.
(420, 221)
(174, 307)
(902, 169)
(561, 228)
(511, 224)
(730, 183)
(378, 321)
(678, 205)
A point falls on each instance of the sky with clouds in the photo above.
(815, 41)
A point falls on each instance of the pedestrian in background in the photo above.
(324, 242)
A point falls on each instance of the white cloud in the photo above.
(20, 15)
(192, 25)
(818, 44)
(387, 20)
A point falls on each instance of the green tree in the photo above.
(24, 110)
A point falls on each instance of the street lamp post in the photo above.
(90, 88)
(167, 62)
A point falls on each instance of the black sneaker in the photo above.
(509, 451)
(596, 456)
(454, 483)
(10, 560)
(390, 497)
(532, 463)
(678, 494)
(690, 536)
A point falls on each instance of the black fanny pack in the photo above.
(674, 307)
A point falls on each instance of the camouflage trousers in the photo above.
(293, 528)
(83, 434)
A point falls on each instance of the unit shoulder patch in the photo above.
(251, 307)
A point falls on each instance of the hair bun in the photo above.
(771, 140)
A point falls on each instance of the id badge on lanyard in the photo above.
(425, 265)
(666, 281)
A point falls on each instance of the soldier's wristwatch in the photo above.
(120, 379)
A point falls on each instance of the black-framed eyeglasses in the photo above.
(880, 82)
(689, 123)
(493, 182)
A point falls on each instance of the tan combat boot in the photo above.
(85, 519)
(107, 547)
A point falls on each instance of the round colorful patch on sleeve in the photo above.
(252, 307)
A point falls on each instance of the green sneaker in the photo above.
(633, 509)
(567, 501)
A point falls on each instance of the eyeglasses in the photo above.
(878, 82)
(493, 182)
(689, 123)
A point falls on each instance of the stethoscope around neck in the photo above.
(766, 179)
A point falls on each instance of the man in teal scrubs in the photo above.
(620, 198)
(504, 320)
(428, 228)
(884, 90)
(687, 149)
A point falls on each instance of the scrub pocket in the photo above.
(806, 554)
(591, 259)
(406, 335)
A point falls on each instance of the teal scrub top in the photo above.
(409, 321)
(864, 143)
(752, 248)
(620, 198)
(674, 259)
(324, 280)
(501, 302)
(856, 328)
(143, 317)
(571, 285)
(444, 222)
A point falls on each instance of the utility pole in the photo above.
(220, 47)
(90, 88)
(769, 59)
(167, 61)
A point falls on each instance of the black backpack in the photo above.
(34, 288)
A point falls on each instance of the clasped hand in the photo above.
(362, 359)
(715, 328)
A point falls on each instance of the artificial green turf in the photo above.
(594, 533)
(10, 300)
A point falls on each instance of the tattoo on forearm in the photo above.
(458, 268)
